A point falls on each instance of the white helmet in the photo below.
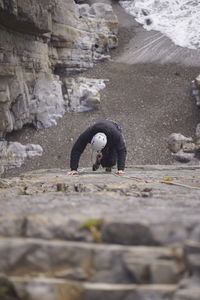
(99, 141)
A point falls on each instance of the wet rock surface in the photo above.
(98, 235)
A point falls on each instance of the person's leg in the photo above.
(97, 163)
(109, 159)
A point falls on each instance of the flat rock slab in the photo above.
(138, 196)
(102, 235)
(54, 289)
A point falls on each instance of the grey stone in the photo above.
(43, 289)
(62, 289)
(110, 293)
(197, 133)
(57, 227)
(47, 39)
(83, 93)
(127, 234)
(41, 264)
(176, 141)
(192, 253)
(183, 157)
(49, 98)
(165, 233)
(166, 272)
(197, 81)
(155, 292)
(195, 234)
(52, 257)
(151, 265)
(13, 154)
(190, 294)
(110, 268)
(184, 149)
(7, 289)
(11, 226)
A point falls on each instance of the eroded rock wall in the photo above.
(186, 149)
(39, 41)
(42, 43)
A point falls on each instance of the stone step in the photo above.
(59, 289)
(192, 256)
(91, 262)
(43, 288)
(81, 228)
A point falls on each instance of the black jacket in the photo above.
(115, 140)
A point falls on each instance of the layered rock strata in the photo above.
(41, 45)
(33, 51)
(77, 237)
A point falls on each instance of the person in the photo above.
(107, 140)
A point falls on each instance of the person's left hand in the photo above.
(73, 172)
(120, 172)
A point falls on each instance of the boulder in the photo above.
(13, 154)
(82, 93)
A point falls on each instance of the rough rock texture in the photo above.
(93, 236)
(186, 149)
(196, 90)
(148, 96)
(82, 93)
(13, 154)
(41, 44)
(101, 236)
(39, 41)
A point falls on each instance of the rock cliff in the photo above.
(41, 45)
(101, 236)
(39, 41)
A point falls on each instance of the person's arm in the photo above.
(78, 149)
(121, 155)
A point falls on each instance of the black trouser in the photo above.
(109, 158)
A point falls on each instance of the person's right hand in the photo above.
(72, 172)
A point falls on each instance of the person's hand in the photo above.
(120, 172)
(72, 172)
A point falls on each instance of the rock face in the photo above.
(196, 90)
(39, 42)
(82, 93)
(13, 154)
(41, 45)
(185, 149)
(89, 237)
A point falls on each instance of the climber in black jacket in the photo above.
(107, 140)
